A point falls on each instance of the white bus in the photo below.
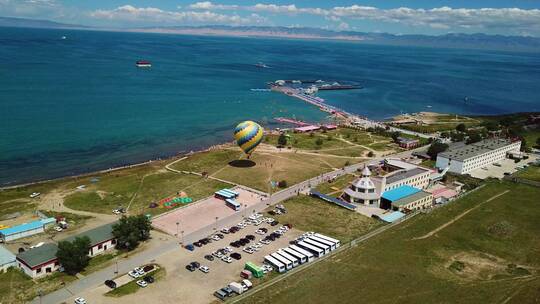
(322, 236)
(302, 258)
(233, 204)
(306, 253)
(284, 261)
(323, 241)
(295, 261)
(324, 247)
(318, 252)
(275, 263)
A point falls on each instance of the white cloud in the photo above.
(491, 19)
(156, 15)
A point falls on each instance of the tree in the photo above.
(436, 148)
(370, 154)
(329, 137)
(473, 138)
(524, 147)
(73, 256)
(282, 140)
(538, 142)
(319, 142)
(395, 136)
(461, 127)
(282, 184)
(491, 126)
(130, 231)
(456, 136)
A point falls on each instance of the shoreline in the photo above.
(113, 169)
(179, 155)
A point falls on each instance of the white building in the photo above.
(467, 158)
(363, 191)
(25, 230)
(7, 259)
(101, 239)
(40, 261)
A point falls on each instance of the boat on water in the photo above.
(143, 64)
(63, 37)
(261, 65)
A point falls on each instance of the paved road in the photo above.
(95, 279)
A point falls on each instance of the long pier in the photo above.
(292, 121)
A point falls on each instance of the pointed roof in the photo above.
(366, 171)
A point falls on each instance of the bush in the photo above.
(131, 230)
(319, 142)
(282, 140)
(73, 256)
(371, 154)
(282, 184)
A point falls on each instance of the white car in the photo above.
(116, 211)
(227, 259)
(266, 242)
(228, 249)
(142, 283)
(80, 301)
(58, 228)
(139, 270)
(215, 238)
(248, 250)
(204, 269)
(36, 194)
(134, 274)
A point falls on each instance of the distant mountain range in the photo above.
(474, 41)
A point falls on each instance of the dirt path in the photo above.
(431, 233)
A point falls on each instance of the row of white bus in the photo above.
(313, 246)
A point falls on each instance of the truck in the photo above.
(236, 287)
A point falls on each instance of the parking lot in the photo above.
(196, 286)
(203, 213)
(506, 166)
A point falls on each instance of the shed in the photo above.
(24, 230)
(399, 193)
(7, 259)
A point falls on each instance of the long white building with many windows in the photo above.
(474, 156)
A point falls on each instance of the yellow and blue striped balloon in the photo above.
(248, 135)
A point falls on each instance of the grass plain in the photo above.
(489, 255)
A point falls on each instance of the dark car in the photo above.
(271, 213)
(110, 284)
(149, 279)
(220, 294)
(195, 264)
(190, 267)
(274, 223)
(221, 236)
(228, 291)
(288, 226)
(263, 230)
(209, 257)
(148, 268)
(198, 244)
(236, 256)
(250, 237)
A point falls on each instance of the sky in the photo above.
(431, 17)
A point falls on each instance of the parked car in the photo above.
(80, 301)
(110, 284)
(274, 223)
(58, 228)
(134, 274)
(204, 269)
(198, 244)
(228, 291)
(221, 236)
(190, 267)
(220, 294)
(226, 259)
(250, 237)
(142, 283)
(149, 279)
(209, 257)
(225, 230)
(139, 270)
(236, 256)
(196, 264)
(148, 268)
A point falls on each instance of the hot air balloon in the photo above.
(248, 135)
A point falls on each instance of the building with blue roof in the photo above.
(392, 217)
(7, 259)
(399, 193)
(25, 230)
(406, 198)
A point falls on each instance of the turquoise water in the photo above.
(80, 104)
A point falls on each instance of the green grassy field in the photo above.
(138, 188)
(18, 199)
(310, 214)
(71, 218)
(530, 173)
(291, 167)
(339, 183)
(489, 255)
(16, 287)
